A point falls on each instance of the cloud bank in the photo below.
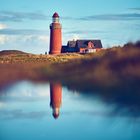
(126, 16)
(2, 26)
(21, 16)
(22, 32)
(129, 16)
(20, 114)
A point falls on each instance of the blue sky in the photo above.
(24, 25)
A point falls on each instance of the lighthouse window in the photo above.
(55, 20)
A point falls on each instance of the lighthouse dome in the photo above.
(55, 15)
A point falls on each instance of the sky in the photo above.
(24, 24)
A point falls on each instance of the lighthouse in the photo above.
(55, 35)
(55, 98)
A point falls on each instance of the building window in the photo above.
(90, 45)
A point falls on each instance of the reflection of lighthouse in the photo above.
(55, 98)
(55, 35)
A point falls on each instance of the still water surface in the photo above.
(50, 112)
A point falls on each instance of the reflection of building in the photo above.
(55, 98)
(55, 35)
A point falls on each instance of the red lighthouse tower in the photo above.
(55, 35)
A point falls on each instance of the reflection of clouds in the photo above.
(22, 98)
(135, 9)
(71, 93)
(96, 113)
(19, 114)
(2, 104)
(86, 113)
(25, 92)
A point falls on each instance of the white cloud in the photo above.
(76, 37)
(32, 38)
(2, 26)
(24, 39)
(68, 37)
(44, 38)
(28, 43)
(3, 39)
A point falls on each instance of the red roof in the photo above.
(55, 15)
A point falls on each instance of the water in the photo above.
(27, 111)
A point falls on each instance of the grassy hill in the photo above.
(19, 57)
(110, 68)
(11, 52)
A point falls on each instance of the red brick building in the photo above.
(82, 46)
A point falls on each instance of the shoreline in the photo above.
(107, 68)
